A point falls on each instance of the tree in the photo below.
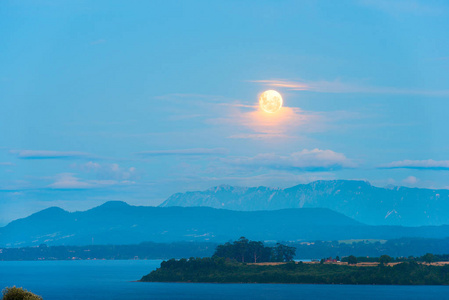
(244, 250)
(241, 247)
(284, 253)
(256, 249)
(289, 253)
(225, 250)
(352, 260)
(14, 293)
(385, 259)
(337, 258)
(428, 258)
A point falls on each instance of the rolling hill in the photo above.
(120, 223)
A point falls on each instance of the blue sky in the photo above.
(135, 101)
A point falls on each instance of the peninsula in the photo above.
(245, 261)
(218, 270)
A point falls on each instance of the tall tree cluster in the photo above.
(244, 250)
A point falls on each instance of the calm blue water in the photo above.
(113, 280)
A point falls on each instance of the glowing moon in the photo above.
(270, 101)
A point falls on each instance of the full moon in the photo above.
(270, 101)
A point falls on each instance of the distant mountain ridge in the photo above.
(356, 199)
(120, 223)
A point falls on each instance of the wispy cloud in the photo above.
(291, 85)
(315, 160)
(186, 152)
(261, 125)
(108, 170)
(260, 136)
(6, 164)
(238, 105)
(429, 164)
(43, 154)
(68, 181)
(337, 86)
(243, 119)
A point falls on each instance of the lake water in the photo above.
(56, 280)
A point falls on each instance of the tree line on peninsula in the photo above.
(243, 250)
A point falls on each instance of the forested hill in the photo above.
(120, 223)
(356, 199)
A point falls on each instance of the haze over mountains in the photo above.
(321, 210)
(356, 199)
(119, 223)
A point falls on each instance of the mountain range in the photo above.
(356, 199)
(119, 223)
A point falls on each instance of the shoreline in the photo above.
(289, 283)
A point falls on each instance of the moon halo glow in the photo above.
(270, 101)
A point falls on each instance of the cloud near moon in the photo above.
(285, 123)
(252, 122)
